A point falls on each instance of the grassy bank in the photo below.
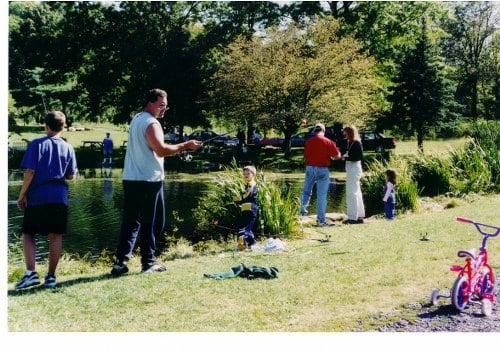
(365, 270)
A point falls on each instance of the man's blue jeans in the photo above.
(321, 177)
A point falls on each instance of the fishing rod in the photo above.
(186, 157)
(216, 224)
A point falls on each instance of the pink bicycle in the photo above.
(475, 281)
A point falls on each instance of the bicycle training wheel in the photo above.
(459, 294)
(486, 307)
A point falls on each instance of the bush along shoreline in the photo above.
(216, 212)
(474, 168)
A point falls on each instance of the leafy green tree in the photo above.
(489, 87)
(421, 96)
(385, 29)
(294, 74)
(470, 30)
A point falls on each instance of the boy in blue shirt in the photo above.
(48, 162)
(107, 153)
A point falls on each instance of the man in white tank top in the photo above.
(143, 176)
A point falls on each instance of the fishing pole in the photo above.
(216, 224)
(185, 156)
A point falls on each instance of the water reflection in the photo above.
(95, 211)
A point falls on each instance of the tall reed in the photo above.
(278, 210)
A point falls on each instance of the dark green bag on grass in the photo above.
(243, 271)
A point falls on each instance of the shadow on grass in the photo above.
(443, 310)
(67, 283)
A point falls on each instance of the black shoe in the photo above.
(154, 268)
(119, 269)
(360, 221)
(50, 281)
(351, 221)
(30, 278)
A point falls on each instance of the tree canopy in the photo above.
(245, 63)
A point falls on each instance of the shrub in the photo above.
(470, 169)
(373, 186)
(487, 135)
(453, 128)
(433, 175)
(278, 212)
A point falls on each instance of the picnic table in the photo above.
(92, 144)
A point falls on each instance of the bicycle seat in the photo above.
(471, 254)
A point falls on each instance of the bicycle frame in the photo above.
(474, 267)
(474, 271)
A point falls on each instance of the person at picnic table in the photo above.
(107, 148)
(107, 154)
(48, 162)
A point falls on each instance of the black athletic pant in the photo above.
(143, 215)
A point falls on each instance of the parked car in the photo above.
(273, 142)
(372, 141)
(299, 139)
(171, 138)
(376, 141)
(255, 138)
(214, 138)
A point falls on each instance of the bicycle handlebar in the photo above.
(479, 225)
(463, 220)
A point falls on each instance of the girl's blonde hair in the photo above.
(352, 133)
(251, 169)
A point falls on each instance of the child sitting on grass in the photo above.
(48, 162)
(249, 209)
(390, 195)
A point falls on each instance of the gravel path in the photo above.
(445, 317)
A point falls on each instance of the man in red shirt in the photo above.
(318, 153)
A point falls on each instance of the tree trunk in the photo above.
(287, 145)
(474, 101)
(333, 8)
(250, 129)
(496, 92)
(420, 139)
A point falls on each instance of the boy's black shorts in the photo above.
(45, 219)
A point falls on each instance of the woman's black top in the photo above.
(355, 150)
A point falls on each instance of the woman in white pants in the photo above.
(353, 157)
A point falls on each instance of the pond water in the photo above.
(95, 209)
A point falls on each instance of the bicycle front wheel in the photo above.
(459, 293)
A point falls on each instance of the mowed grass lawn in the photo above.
(365, 271)
(437, 147)
(96, 132)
